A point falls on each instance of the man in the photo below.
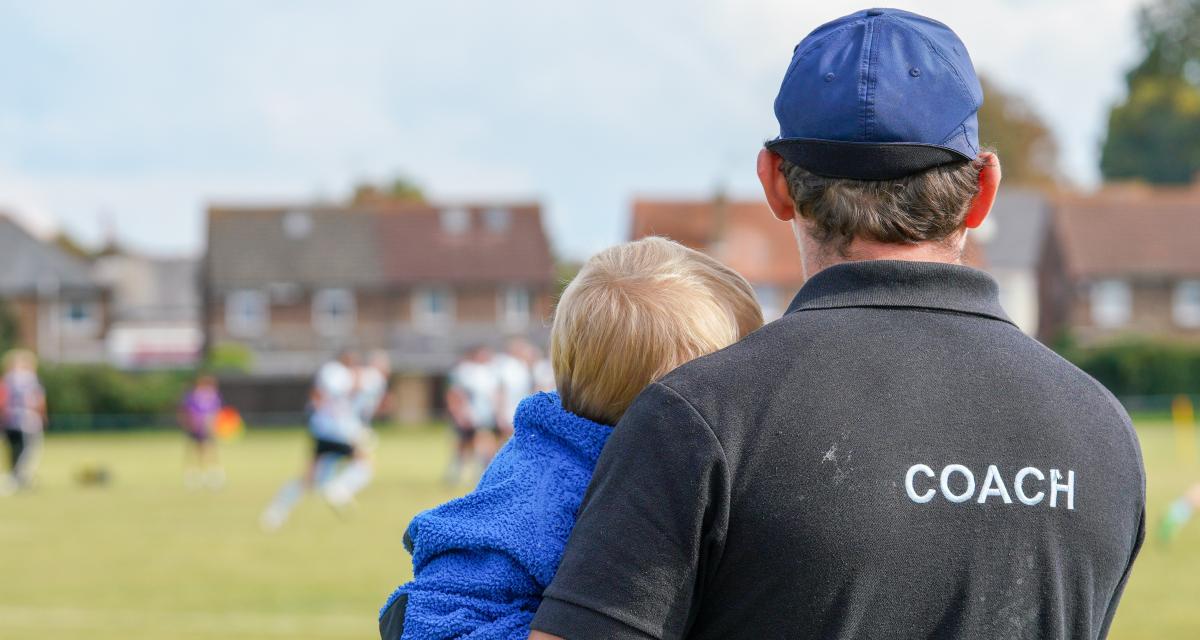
(370, 392)
(891, 459)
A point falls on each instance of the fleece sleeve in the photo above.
(478, 569)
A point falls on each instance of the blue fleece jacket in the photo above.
(481, 562)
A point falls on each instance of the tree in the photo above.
(400, 188)
(1027, 149)
(1154, 134)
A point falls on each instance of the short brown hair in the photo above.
(635, 312)
(926, 206)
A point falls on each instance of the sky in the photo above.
(130, 117)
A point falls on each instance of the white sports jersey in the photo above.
(334, 417)
(480, 384)
(517, 382)
(372, 386)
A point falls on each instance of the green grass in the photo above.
(146, 558)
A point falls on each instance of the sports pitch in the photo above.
(146, 558)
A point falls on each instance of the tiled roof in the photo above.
(1130, 231)
(382, 245)
(494, 245)
(28, 264)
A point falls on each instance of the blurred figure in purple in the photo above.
(472, 400)
(197, 416)
(23, 408)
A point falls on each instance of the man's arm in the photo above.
(653, 522)
(538, 635)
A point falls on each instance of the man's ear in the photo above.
(775, 186)
(989, 185)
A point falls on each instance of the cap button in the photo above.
(874, 12)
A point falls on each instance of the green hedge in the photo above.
(1140, 367)
(79, 395)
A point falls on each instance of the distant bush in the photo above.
(229, 357)
(84, 395)
(1140, 367)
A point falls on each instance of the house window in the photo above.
(433, 308)
(514, 307)
(1112, 303)
(246, 313)
(1186, 303)
(455, 221)
(80, 317)
(497, 219)
(333, 312)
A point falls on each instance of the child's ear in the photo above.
(774, 185)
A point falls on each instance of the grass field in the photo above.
(146, 558)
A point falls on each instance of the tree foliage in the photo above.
(399, 188)
(1154, 133)
(1009, 125)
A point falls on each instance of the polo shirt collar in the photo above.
(902, 283)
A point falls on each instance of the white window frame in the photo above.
(324, 321)
(241, 325)
(88, 325)
(430, 320)
(1111, 303)
(1185, 304)
(514, 306)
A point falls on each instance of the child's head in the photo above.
(635, 312)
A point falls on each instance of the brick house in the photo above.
(424, 282)
(1123, 261)
(741, 233)
(58, 308)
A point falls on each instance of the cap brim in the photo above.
(864, 160)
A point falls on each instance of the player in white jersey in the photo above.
(368, 397)
(335, 427)
(514, 370)
(472, 398)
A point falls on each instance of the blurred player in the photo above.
(368, 398)
(472, 399)
(514, 370)
(198, 412)
(1179, 513)
(23, 410)
(335, 428)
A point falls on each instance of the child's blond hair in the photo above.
(635, 312)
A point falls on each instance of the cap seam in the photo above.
(962, 84)
(864, 81)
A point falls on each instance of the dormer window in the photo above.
(455, 221)
(497, 219)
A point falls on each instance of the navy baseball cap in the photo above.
(878, 95)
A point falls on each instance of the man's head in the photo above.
(878, 154)
(635, 312)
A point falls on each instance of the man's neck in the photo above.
(817, 258)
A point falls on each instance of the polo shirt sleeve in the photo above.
(650, 531)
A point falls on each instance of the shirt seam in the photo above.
(912, 307)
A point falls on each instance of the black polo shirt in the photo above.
(891, 459)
